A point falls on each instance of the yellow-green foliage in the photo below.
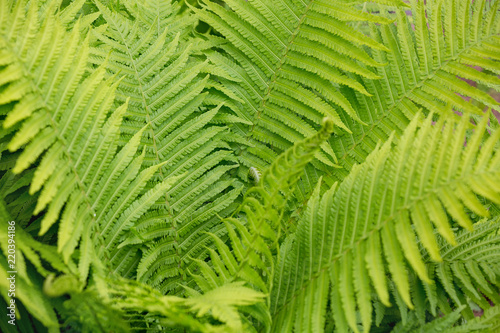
(250, 166)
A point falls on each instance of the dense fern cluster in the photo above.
(250, 166)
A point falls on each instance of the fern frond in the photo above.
(465, 275)
(287, 60)
(489, 322)
(250, 257)
(214, 311)
(353, 235)
(27, 281)
(431, 53)
(440, 324)
(164, 15)
(166, 84)
(68, 132)
(87, 310)
(468, 267)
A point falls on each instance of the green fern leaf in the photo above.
(385, 219)
(71, 149)
(250, 257)
(425, 64)
(289, 58)
(166, 82)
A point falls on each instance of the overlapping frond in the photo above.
(166, 84)
(27, 281)
(468, 273)
(286, 61)
(254, 240)
(214, 311)
(488, 322)
(349, 238)
(64, 125)
(440, 324)
(431, 52)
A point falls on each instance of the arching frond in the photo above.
(287, 60)
(63, 125)
(253, 242)
(166, 85)
(215, 311)
(350, 237)
(431, 52)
